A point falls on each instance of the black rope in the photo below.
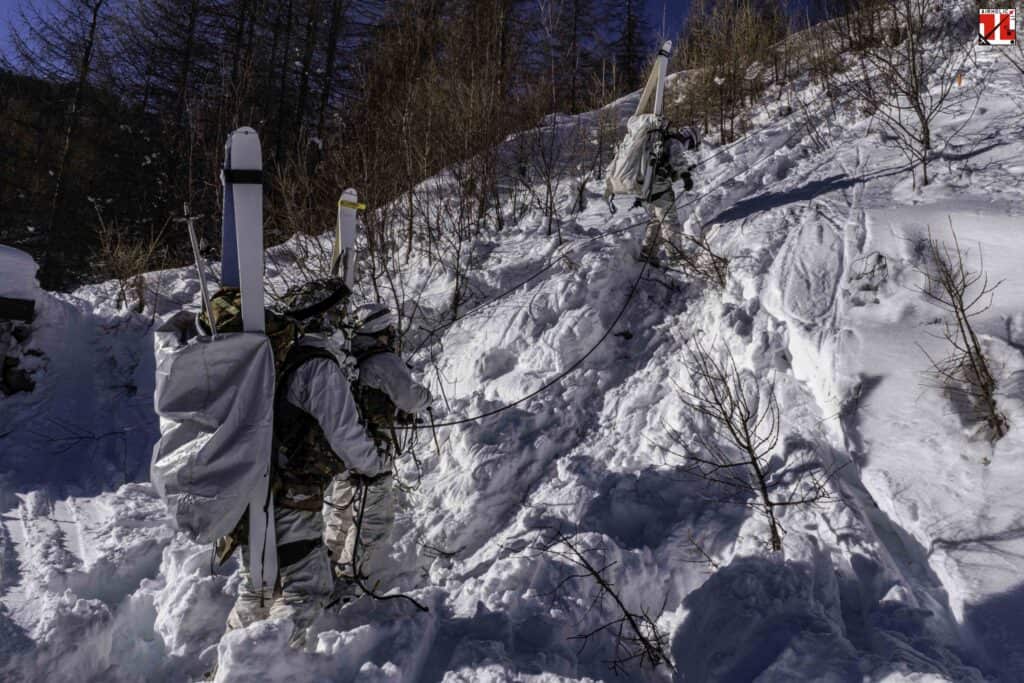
(607, 332)
(551, 264)
(558, 378)
(575, 245)
(720, 150)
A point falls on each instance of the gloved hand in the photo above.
(404, 418)
(687, 181)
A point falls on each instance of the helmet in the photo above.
(313, 301)
(690, 137)
(374, 319)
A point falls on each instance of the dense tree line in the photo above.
(119, 110)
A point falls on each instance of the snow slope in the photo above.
(914, 573)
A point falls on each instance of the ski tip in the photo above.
(349, 195)
(244, 137)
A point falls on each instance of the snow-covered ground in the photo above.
(913, 573)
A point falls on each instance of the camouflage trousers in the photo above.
(664, 228)
(342, 517)
(304, 577)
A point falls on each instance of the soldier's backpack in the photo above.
(212, 420)
(226, 306)
(631, 171)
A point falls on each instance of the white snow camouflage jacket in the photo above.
(320, 388)
(675, 161)
(388, 373)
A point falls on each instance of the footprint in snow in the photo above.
(807, 272)
(494, 364)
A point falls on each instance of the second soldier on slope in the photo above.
(359, 514)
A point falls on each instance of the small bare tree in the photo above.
(548, 161)
(733, 437)
(907, 80)
(963, 294)
(700, 261)
(636, 635)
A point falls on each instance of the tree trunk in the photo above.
(186, 63)
(282, 93)
(331, 50)
(312, 19)
(54, 256)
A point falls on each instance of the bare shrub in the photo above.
(546, 157)
(732, 440)
(963, 294)
(728, 47)
(636, 636)
(701, 262)
(127, 258)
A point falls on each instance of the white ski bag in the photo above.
(632, 169)
(628, 173)
(215, 402)
(215, 394)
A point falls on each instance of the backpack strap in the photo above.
(298, 355)
(362, 355)
(376, 409)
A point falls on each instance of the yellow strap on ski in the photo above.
(358, 206)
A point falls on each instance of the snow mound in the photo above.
(19, 274)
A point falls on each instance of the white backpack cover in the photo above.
(628, 172)
(215, 399)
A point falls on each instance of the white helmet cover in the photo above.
(374, 319)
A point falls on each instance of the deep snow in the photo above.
(914, 573)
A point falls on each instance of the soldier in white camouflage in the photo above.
(673, 162)
(318, 436)
(386, 393)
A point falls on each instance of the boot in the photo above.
(649, 252)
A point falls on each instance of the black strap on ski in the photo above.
(243, 176)
(664, 53)
(297, 356)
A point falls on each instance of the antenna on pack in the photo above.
(190, 220)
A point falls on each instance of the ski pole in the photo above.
(204, 292)
(433, 430)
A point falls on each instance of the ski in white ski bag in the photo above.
(632, 169)
(215, 394)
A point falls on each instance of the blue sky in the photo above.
(7, 8)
